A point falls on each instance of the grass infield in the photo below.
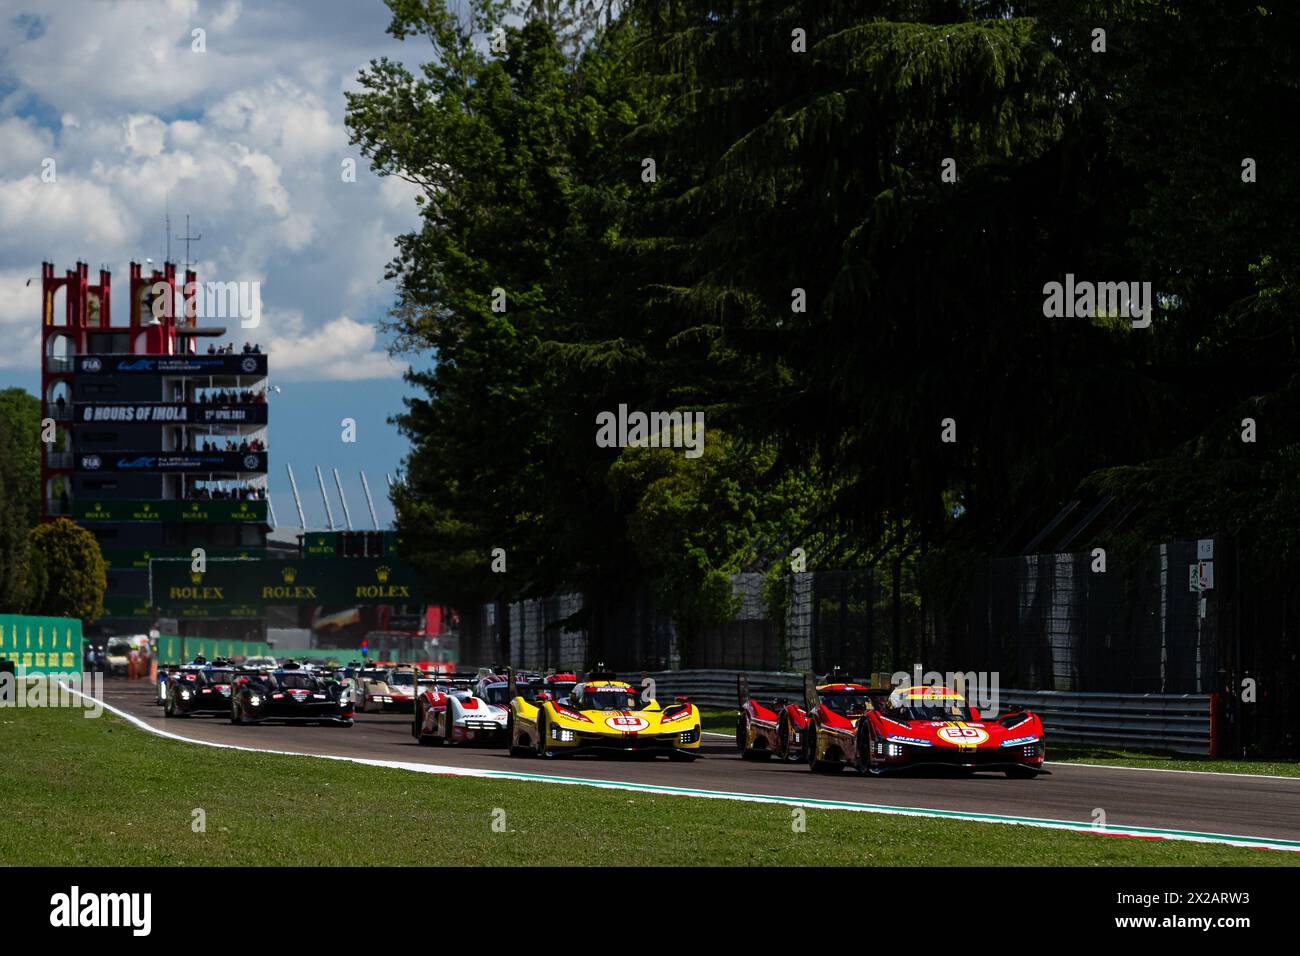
(99, 792)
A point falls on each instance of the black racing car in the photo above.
(198, 690)
(289, 695)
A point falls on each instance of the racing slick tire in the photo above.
(235, 716)
(446, 726)
(169, 706)
(515, 749)
(742, 738)
(815, 765)
(783, 739)
(862, 756)
(541, 739)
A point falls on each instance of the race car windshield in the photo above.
(845, 703)
(609, 699)
(297, 681)
(220, 677)
(499, 694)
(405, 679)
(935, 710)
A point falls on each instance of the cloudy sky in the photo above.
(248, 139)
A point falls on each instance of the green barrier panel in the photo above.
(41, 645)
(174, 649)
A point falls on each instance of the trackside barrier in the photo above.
(1179, 723)
(41, 645)
(173, 649)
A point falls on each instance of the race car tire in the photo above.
(514, 748)
(742, 740)
(446, 726)
(862, 758)
(169, 707)
(542, 738)
(783, 738)
(235, 716)
(815, 765)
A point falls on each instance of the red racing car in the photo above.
(772, 728)
(933, 726)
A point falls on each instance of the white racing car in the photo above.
(448, 712)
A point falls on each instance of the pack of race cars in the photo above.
(835, 724)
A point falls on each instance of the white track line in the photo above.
(810, 802)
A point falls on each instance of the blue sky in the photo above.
(247, 137)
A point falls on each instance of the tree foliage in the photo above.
(72, 575)
(815, 176)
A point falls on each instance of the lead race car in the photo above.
(601, 715)
(199, 689)
(934, 726)
(289, 694)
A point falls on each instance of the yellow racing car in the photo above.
(599, 716)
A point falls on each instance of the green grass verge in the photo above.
(718, 720)
(98, 792)
(1128, 758)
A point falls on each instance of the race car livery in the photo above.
(771, 728)
(290, 695)
(933, 726)
(602, 716)
(833, 712)
(201, 689)
(387, 689)
(447, 711)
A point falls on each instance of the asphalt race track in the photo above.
(1246, 806)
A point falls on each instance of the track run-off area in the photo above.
(1243, 810)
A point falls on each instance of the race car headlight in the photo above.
(186, 695)
(895, 750)
(562, 734)
(255, 700)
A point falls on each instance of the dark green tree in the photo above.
(73, 571)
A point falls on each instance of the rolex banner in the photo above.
(183, 511)
(339, 582)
